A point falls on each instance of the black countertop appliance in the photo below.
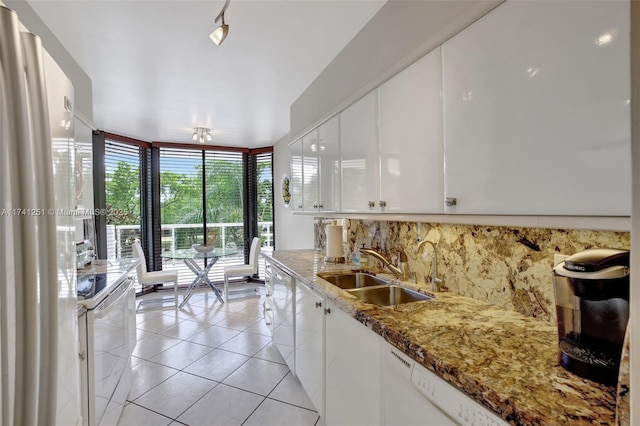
(592, 304)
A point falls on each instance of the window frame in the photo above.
(150, 214)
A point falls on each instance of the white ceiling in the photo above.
(156, 74)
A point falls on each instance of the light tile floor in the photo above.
(212, 364)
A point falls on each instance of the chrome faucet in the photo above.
(435, 281)
(401, 271)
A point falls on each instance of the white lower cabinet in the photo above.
(309, 341)
(284, 315)
(353, 371)
(351, 374)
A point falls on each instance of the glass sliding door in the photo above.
(181, 204)
(225, 206)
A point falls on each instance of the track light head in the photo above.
(219, 34)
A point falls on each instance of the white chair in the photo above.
(154, 277)
(243, 270)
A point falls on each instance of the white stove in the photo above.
(107, 341)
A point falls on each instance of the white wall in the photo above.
(292, 231)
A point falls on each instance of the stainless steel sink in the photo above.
(355, 280)
(388, 295)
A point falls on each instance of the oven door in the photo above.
(109, 355)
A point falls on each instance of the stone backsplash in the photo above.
(504, 266)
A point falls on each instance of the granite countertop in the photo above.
(502, 359)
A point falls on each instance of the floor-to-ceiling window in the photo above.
(201, 202)
(122, 192)
(264, 201)
(172, 196)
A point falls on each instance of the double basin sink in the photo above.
(372, 289)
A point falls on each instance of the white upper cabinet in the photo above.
(295, 184)
(311, 171)
(321, 176)
(410, 125)
(330, 173)
(360, 164)
(536, 111)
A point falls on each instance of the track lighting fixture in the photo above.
(201, 134)
(219, 34)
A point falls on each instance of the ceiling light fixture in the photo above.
(604, 39)
(201, 134)
(219, 34)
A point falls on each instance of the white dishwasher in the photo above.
(415, 396)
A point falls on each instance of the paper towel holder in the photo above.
(334, 246)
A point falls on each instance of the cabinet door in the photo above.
(284, 315)
(330, 173)
(536, 110)
(410, 120)
(359, 146)
(295, 150)
(353, 371)
(310, 344)
(310, 171)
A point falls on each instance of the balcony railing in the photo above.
(180, 236)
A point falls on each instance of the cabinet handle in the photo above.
(82, 355)
(267, 309)
(318, 304)
(371, 204)
(327, 311)
(321, 206)
(315, 206)
(300, 206)
(267, 323)
(268, 294)
(450, 201)
(382, 203)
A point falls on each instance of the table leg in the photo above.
(202, 276)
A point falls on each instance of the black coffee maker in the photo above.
(592, 304)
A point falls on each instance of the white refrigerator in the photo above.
(38, 325)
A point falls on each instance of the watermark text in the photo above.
(61, 212)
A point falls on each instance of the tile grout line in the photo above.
(228, 314)
(265, 398)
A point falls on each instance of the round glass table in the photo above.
(191, 258)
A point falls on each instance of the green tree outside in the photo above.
(123, 195)
(181, 197)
